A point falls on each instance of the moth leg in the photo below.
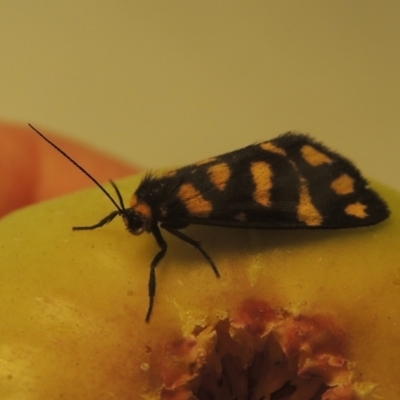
(194, 243)
(104, 221)
(152, 277)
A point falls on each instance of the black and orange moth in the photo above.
(289, 182)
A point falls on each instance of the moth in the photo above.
(289, 182)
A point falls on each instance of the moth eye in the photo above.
(135, 228)
(138, 231)
(134, 221)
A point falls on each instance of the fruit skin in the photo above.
(73, 303)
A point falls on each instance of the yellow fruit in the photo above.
(300, 314)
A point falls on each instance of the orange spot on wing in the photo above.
(268, 146)
(356, 210)
(262, 176)
(343, 185)
(306, 211)
(194, 201)
(219, 175)
(314, 157)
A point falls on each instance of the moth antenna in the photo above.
(121, 200)
(120, 209)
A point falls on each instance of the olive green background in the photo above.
(165, 83)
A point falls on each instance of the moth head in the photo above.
(135, 221)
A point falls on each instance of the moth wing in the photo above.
(289, 182)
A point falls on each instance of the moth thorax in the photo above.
(138, 217)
